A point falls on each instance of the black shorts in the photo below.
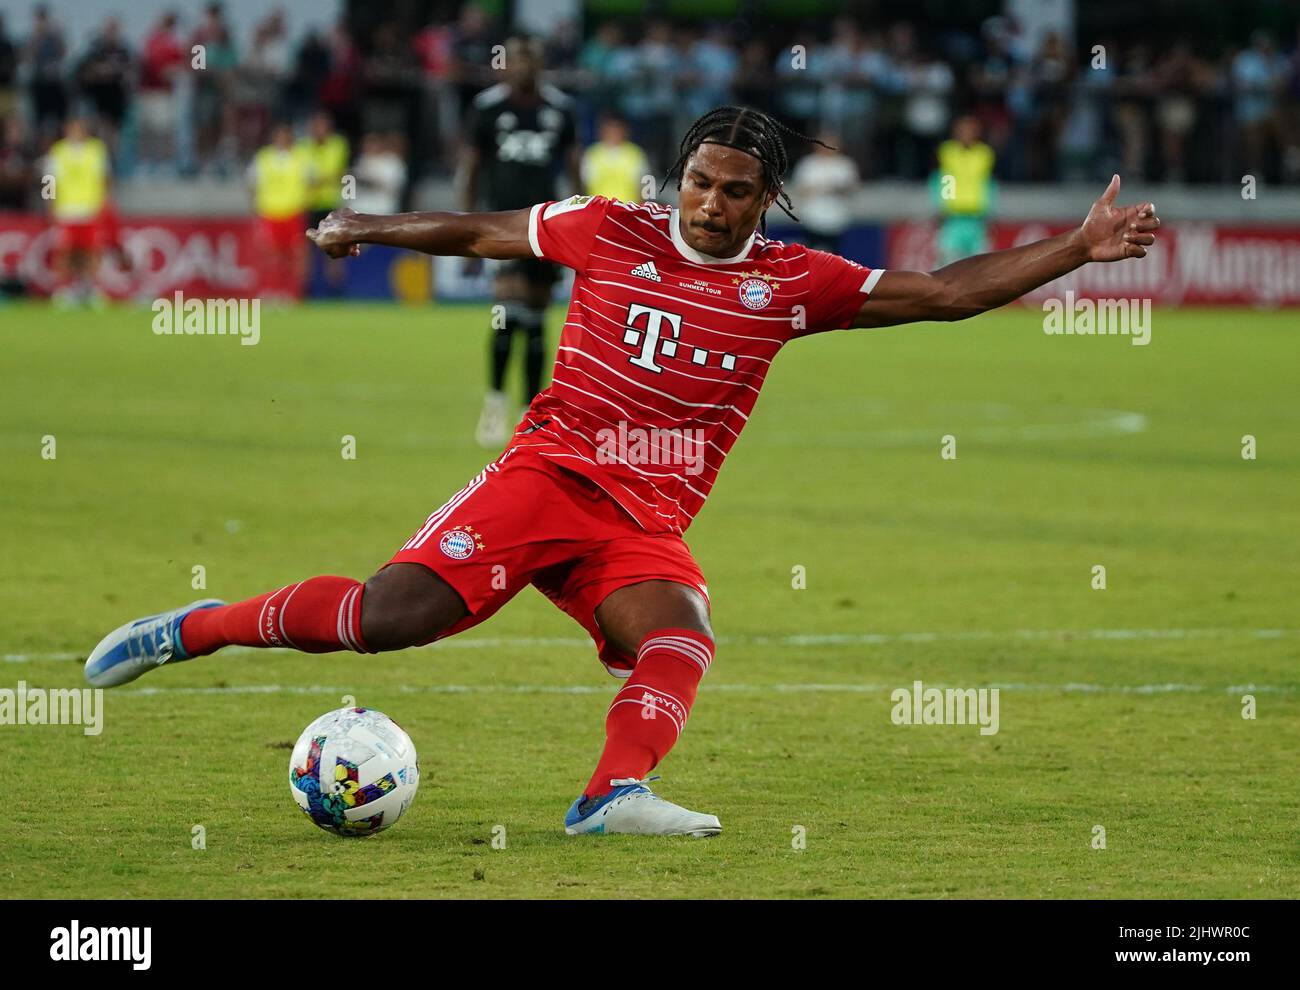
(537, 273)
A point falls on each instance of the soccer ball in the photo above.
(354, 771)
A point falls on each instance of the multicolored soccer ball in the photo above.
(354, 772)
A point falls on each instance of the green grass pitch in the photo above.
(1120, 708)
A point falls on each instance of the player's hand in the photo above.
(337, 234)
(1112, 233)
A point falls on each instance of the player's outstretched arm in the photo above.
(467, 235)
(986, 281)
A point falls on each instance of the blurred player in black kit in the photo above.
(520, 136)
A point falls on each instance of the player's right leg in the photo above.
(469, 558)
(403, 605)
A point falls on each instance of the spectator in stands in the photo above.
(614, 166)
(991, 79)
(268, 63)
(44, 54)
(381, 174)
(393, 83)
(311, 66)
(1052, 74)
(1291, 102)
(213, 106)
(337, 94)
(707, 66)
(472, 69)
(1181, 81)
(798, 90)
(563, 46)
(161, 61)
(8, 72)
(440, 115)
(18, 181)
(1081, 147)
(280, 178)
(1134, 95)
(754, 77)
(596, 73)
(822, 186)
(1049, 113)
(927, 92)
(646, 75)
(847, 101)
(104, 77)
(1259, 77)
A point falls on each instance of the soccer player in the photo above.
(80, 167)
(327, 152)
(964, 190)
(675, 317)
(614, 167)
(521, 135)
(280, 177)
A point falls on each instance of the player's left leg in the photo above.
(664, 625)
(643, 600)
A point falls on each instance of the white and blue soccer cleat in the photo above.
(139, 646)
(631, 808)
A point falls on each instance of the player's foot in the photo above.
(491, 430)
(631, 808)
(129, 651)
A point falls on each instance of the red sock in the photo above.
(319, 615)
(649, 712)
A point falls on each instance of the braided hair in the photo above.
(752, 132)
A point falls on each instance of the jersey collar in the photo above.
(690, 254)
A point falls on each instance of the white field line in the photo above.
(805, 639)
(1090, 424)
(465, 689)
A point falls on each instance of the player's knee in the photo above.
(406, 605)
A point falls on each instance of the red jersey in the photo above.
(664, 348)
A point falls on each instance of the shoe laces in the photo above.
(626, 781)
(156, 633)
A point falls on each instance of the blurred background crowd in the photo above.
(395, 80)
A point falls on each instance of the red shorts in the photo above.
(288, 234)
(525, 520)
(80, 235)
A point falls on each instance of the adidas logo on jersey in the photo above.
(647, 270)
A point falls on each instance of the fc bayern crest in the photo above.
(459, 543)
(755, 293)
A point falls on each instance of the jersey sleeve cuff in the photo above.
(534, 217)
(871, 280)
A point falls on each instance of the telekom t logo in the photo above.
(649, 338)
(658, 338)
